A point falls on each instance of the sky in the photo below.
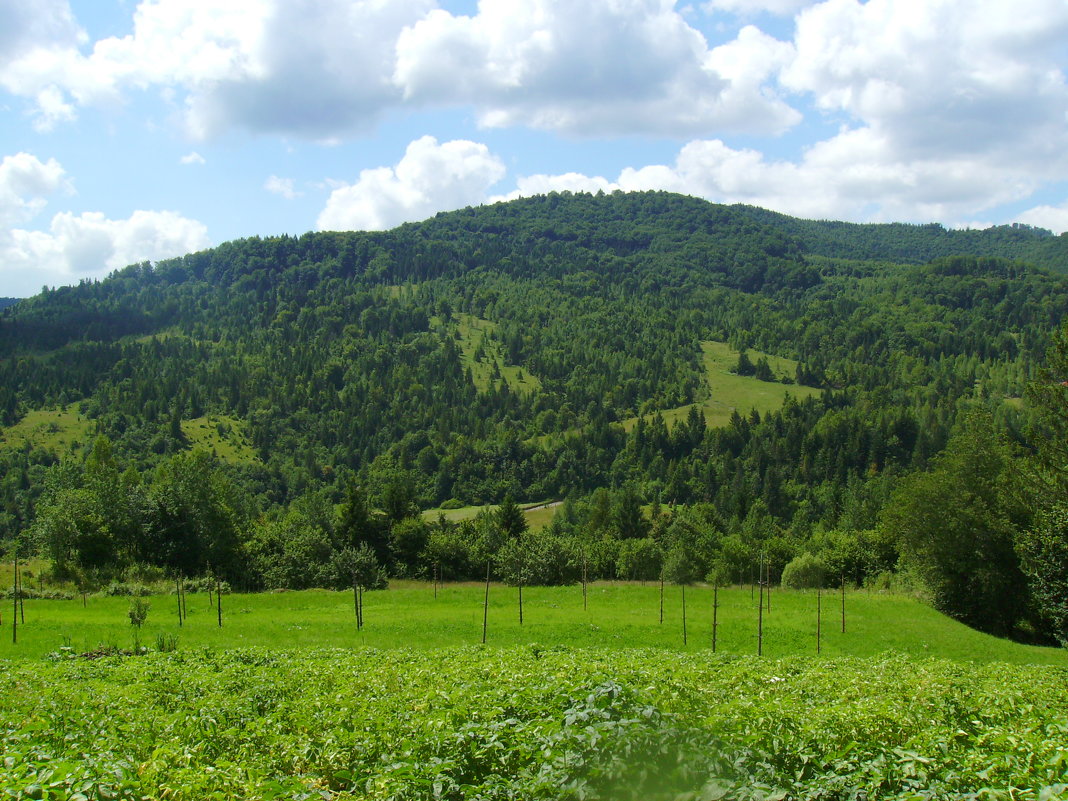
(136, 131)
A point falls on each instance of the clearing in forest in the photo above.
(729, 392)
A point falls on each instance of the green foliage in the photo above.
(530, 723)
(1043, 550)
(510, 520)
(166, 643)
(138, 611)
(359, 567)
(956, 529)
(408, 540)
(358, 525)
(682, 564)
(804, 572)
(95, 521)
(639, 560)
(627, 516)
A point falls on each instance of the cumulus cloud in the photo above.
(34, 38)
(431, 177)
(853, 176)
(945, 109)
(192, 158)
(25, 186)
(91, 245)
(933, 108)
(312, 67)
(631, 66)
(73, 246)
(1055, 218)
(940, 76)
(320, 68)
(750, 7)
(281, 186)
(26, 26)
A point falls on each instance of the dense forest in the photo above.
(279, 411)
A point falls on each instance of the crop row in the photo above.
(525, 723)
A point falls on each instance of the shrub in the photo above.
(205, 584)
(124, 588)
(37, 595)
(138, 611)
(804, 572)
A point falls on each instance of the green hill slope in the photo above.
(509, 350)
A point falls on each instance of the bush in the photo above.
(124, 588)
(804, 572)
(37, 595)
(894, 581)
(204, 584)
(138, 611)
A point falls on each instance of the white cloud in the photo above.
(568, 182)
(74, 246)
(751, 7)
(853, 176)
(25, 27)
(311, 67)
(319, 68)
(622, 67)
(431, 177)
(281, 186)
(25, 185)
(91, 245)
(192, 158)
(1055, 218)
(938, 77)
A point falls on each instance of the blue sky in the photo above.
(135, 131)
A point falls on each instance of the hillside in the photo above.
(510, 350)
(915, 244)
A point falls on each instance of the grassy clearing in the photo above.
(57, 431)
(223, 435)
(30, 571)
(484, 355)
(728, 392)
(619, 615)
(538, 514)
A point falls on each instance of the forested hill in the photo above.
(782, 376)
(914, 244)
(5, 302)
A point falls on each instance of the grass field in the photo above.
(54, 430)
(618, 615)
(538, 514)
(728, 392)
(475, 340)
(222, 435)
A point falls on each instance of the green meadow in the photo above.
(54, 430)
(538, 515)
(728, 392)
(616, 616)
(484, 355)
